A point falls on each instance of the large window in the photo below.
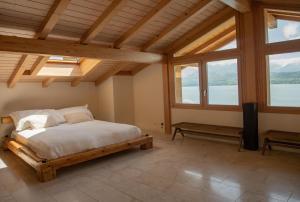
(222, 79)
(187, 88)
(281, 61)
(284, 79)
(215, 83)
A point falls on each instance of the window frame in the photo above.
(186, 105)
(203, 82)
(205, 85)
(263, 50)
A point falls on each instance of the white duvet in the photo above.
(65, 139)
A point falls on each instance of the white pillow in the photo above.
(77, 117)
(71, 110)
(35, 119)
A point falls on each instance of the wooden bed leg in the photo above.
(46, 173)
(148, 145)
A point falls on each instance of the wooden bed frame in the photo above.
(46, 169)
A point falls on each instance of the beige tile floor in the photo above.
(188, 170)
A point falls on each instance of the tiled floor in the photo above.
(189, 170)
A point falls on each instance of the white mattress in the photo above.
(65, 139)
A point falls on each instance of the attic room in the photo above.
(149, 100)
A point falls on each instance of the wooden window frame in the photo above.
(205, 85)
(207, 57)
(263, 49)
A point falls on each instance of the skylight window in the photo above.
(64, 59)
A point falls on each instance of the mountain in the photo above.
(286, 68)
(225, 75)
(285, 77)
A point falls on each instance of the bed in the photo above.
(49, 149)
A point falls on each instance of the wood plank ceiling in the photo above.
(148, 25)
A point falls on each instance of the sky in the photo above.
(286, 30)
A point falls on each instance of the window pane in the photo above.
(284, 79)
(187, 84)
(281, 29)
(222, 77)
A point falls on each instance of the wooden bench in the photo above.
(280, 138)
(205, 129)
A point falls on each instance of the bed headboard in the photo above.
(6, 120)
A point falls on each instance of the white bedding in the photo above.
(65, 139)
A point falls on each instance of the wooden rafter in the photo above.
(281, 2)
(195, 33)
(211, 44)
(18, 72)
(114, 70)
(284, 15)
(188, 59)
(48, 24)
(38, 65)
(105, 17)
(47, 82)
(86, 66)
(52, 18)
(177, 22)
(135, 29)
(242, 6)
(222, 42)
(53, 47)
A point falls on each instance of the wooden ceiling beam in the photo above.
(136, 28)
(207, 45)
(86, 66)
(242, 6)
(222, 42)
(104, 18)
(38, 65)
(97, 27)
(18, 72)
(281, 2)
(215, 55)
(177, 22)
(53, 47)
(52, 18)
(46, 83)
(196, 32)
(112, 71)
(47, 26)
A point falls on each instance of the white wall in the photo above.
(58, 95)
(106, 100)
(148, 98)
(31, 96)
(286, 122)
(227, 118)
(123, 99)
(115, 97)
